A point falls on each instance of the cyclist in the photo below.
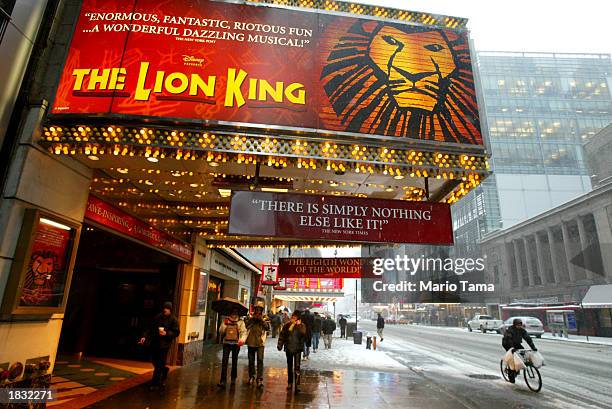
(512, 340)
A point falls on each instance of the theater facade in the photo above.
(146, 119)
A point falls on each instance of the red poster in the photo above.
(339, 218)
(200, 60)
(325, 267)
(109, 216)
(47, 270)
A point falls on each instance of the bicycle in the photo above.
(532, 376)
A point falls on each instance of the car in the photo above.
(484, 323)
(532, 325)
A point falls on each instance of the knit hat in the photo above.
(167, 305)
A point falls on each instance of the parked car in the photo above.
(484, 323)
(532, 325)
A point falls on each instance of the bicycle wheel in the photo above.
(504, 370)
(533, 379)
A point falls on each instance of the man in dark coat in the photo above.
(162, 331)
(328, 327)
(308, 321)
(380, 325)
(512, 340)
(342, 321)
(291, 339)
(316, 331)
(276, 322)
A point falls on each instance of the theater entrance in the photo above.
(118, 286)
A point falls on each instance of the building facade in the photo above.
(598, 151)
(555, 257)
(540, 108)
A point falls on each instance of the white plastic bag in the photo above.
(536, 359)
(518, 362)
(508, 357)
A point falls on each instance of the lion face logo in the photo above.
(400, 80)
(413, 83)
(40, 278)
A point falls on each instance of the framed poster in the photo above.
(270, 274)
(42, 268)
(201, 287)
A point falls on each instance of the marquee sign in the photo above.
(106, 215)
(339, 218)
(342, 267)
(198, 60)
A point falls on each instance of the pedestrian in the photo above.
(342, 321)
(291, 339)
(316, 331)
(307, 320)
(285, 317)
(233, 335)
(257, 326)
(328, 326)
(162, 331)
(276, 323)
(380, 325)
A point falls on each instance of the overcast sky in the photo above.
(526, 25)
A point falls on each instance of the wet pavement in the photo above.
(324, 385)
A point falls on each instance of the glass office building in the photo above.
(539, 109)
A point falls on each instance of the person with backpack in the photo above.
(291, 339)
(258, 326)
(233, 335)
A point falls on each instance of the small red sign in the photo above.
(269, 274)
(104, 214)
(282, 284)
(339, 218)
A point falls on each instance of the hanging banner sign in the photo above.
(106, 215)
(269, 274)
(339, 218)
(198, 60)
(325, 267)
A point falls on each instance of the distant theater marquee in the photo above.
(263, 66)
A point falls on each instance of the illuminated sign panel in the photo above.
(262, 66)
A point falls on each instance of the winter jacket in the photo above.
(308, 320)
(292, 337)
(342, 321)
(316, 324)
(276, 320)
(328, 326)
(514, 336)
(380, 322)
(242, 331)
(257, 328)
(171, 326)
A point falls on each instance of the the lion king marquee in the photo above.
(365, 101)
